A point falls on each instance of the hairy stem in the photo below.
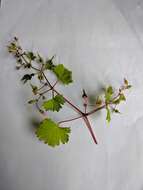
(82, 114)
(51, 87)
(68, 120)
(69, 102)
(90, 128)
(103, 105)
(22, 56)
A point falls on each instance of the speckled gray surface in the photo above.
(101, 42)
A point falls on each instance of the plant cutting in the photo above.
(47, 98)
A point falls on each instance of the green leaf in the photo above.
(108, 94)
(59, 99)
(12, 48)
(27, 77)
(39, 58)
(32, 101)
(54, 104)
(108, 115)
(30, 55)
(50, 132)
(49, 64)
(63, 74)
(110, 90)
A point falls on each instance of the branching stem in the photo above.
(24, 61)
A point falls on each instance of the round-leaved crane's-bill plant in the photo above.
(37, 68)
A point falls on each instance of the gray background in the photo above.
(101, 41)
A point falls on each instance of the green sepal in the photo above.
(34, 89)
(128, 86)
(108, 94)
(98, 102)
(116, 110)
(121, 98)
(12, 48)
(108, 115)
(39, 58)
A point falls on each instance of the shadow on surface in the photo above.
(33, 124)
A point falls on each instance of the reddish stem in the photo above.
(64, 121)
(71, 104)
(90, 128)
(82, 115)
